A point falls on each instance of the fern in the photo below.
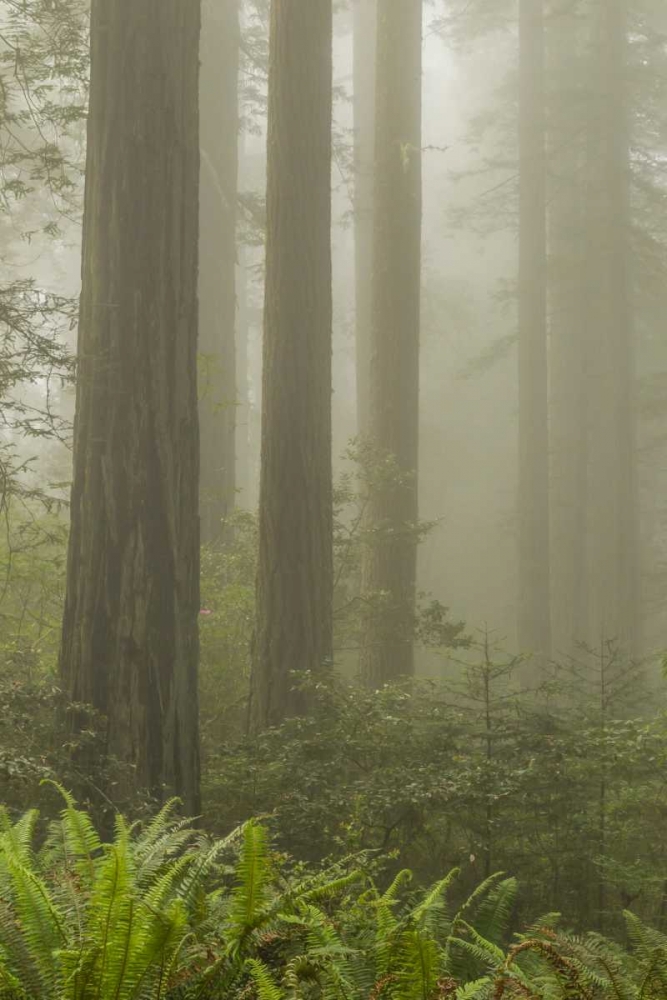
(82, 920)
(151, 916)
(252, 873)
(77, 843)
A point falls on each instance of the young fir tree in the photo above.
(129, 644)
(534, 613)
(295, 574)
(219, 53)
(390, 559)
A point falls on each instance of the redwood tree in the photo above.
(219, 52)
(534, 612)
(365, 21)
(390, 557)
(295, 577)
(129, 645)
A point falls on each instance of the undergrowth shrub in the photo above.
(481, 778)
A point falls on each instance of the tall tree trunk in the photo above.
(569, 327)
(218, 86)
(295, 575)
(615, 547)
(534, 617)
(365, 21)
(390, 561)
(130, 645)
(243, 385)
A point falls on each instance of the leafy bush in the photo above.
(479, 777)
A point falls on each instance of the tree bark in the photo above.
(365, 21)
(130, 644)
(295, 574)
(534, 615)
(390, 560)
(218, 83)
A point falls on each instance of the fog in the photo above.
(470, 233)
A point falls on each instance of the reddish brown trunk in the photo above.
(295, 576)
(390, 561)
(130, 645)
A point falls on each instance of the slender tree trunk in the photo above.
(534, 616)
(295, 575)
(389, 562)
(130, 645)
(569, 328)
(365, 21)
(616, 581)
(243, 386)
(622, 333)
(218, 84)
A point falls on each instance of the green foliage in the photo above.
(228, 595)
(429, 624)
(81, 918)
(158, 912)
(226, 623)
(43, 70)
(475, 773)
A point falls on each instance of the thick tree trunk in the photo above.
(218, 83)
(534, 614)
(295, 575)
(615, 542)
(569, 328)
(389, 562)
(365, 21)
(130, 645)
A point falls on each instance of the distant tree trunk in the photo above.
(130, 645)
(218, 87)
(365, 22)
(389, 563)
(243, 386)
(295, 576)
(569, 327)
(534, 618)
(615, 544)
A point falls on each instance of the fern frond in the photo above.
(478, 989)
(391, 894)
(252, 872)
(644, 940)
(495, 955)
(79, 840)
(266, 986)
(434, 899)
(329, 889)
(417, 967)
(493, 915)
